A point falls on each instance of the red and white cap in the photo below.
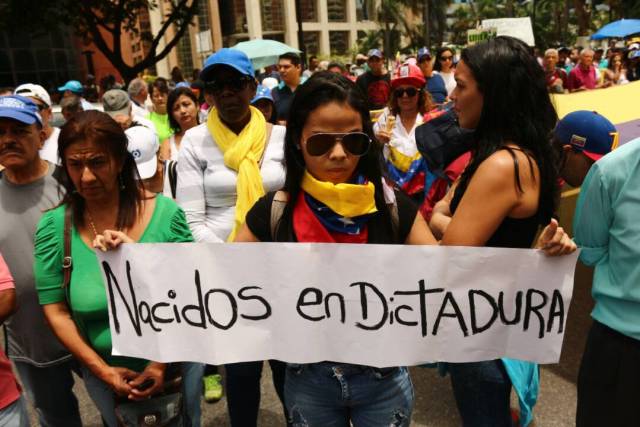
(408, 74)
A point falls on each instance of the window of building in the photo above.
(272, 15)
(339, 42)
(185, 60)
(337, 10)
(309, 10)
(365, 10)
(311, 40)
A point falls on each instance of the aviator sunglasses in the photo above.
(410, 91)
(354, 143)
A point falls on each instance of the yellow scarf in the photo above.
(242, 153)
(401, 160)
(347, 200)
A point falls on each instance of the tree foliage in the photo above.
(105, 23)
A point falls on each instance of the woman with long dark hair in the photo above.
(444, 66)
(182, 107)
(107, 206)
(506, 192)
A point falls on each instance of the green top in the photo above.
(88, 297)
(161, 122)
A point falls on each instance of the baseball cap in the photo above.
(408, 74)
(375, 52)
(262, 92)
(116, 102)
(233, 58)
(33, 91)
(143, 146)
(588, 132)
(423, 52)
(269, 82)
(19, 108)
(634, 54)
(73, 86)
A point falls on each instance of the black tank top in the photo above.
(512, 232)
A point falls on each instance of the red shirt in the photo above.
(9, 391)
(579, 77)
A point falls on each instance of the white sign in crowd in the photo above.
(376, 305)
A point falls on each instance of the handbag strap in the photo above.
(67, 261)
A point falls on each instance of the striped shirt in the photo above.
(206, 188)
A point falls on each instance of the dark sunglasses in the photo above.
(446, 58)
(354, 143)
(410, 91)
(236, 84)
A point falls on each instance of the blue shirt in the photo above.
(435, 86)
(607, 228)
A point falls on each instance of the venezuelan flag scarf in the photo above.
(242, 152)
(327, 213)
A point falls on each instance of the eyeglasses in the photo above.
(354, 143)
(446, 58)
(236, 84)
(410, 91)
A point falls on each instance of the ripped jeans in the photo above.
(331, 394)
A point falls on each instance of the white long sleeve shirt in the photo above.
(206, 188)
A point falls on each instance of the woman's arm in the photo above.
(245, 235)
(420, 234)
(190, 193)
(65, 329)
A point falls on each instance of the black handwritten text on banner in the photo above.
(378, 305)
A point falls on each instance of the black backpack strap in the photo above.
(172, 172)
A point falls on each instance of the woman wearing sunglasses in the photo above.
(224, 166)
(396, 128)
(330, 159)
(445, 67)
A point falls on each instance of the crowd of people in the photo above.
(459, 149)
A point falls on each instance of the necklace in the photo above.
(91, 224)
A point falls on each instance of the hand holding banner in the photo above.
(376, 305)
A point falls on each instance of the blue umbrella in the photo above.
(264, 52)
(618, 29)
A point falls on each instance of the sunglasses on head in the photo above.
(354, 143)
(236, 84)
(410, 91)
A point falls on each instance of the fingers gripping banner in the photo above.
(377, 305)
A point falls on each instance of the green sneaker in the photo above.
(212, 388)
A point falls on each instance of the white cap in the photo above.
(143, 146)
(33, 91)
(270, 82)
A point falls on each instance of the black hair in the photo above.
(291, 56)
(320, 89)
(161, 84)
(337, 64)
(174, 95)
(176, 74)
(516, 109)
(439, 52)
(100, 128)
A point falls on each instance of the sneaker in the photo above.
(212, 388)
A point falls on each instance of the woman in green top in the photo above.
(159, 92)
(107, 206)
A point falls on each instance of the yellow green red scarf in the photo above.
(242, 152)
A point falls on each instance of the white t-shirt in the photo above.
(206, 188)
(449, 81)
(49, 150)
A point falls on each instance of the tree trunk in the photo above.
(582, 16)
(426, 18)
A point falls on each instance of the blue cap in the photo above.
(233, 58)
(422, 52)
(183, 84)
(375, 52)
(588, 132)
(262, 92)
(73, 86)
(19, 108)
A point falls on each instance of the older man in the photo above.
(138, 94)
(117, 104)
(556, 77)
(27, 188)
(584, 75)
(41, 98)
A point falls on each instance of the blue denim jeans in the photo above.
(50, 390)
(15, 415)
(334, 395)
(482, 391)
(104, 398)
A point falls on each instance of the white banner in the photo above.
(377, 305)
(519, 28)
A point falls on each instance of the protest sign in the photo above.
(519, 28)
(478, 35)
(377, 305)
